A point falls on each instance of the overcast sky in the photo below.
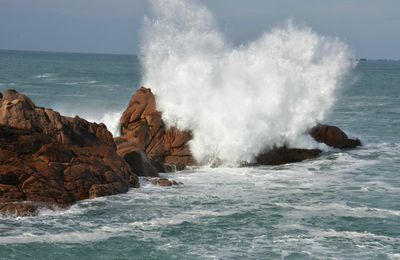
(370, 27)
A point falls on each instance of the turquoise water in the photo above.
(344, 205)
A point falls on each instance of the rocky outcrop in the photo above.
(333, 137)
(142, 129)
(284, 155)
(51, 160)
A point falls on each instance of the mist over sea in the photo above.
(344, 204)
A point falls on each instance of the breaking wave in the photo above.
(238, 100)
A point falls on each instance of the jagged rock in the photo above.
(286, 155)
(333, 136)
(52, 159)
(142, 129)
(18, 111)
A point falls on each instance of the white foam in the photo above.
(343, 210)
(352, 235)
(111, 120)
(81, 82)
(45, 75)
(238, 100)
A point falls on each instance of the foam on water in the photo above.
(240, 100)
(44, 75)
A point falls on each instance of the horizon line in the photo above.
(130, 54)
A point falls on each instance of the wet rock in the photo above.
(333, 137)
(164, 182)
(142, 129)
(284, 155)
(18, 209)
(163, 167)
(54, 160)
(139, 162)
(101, 190)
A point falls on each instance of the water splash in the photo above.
(238, 101)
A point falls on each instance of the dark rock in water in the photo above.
(333, 136)
(143, 128)
(54, 160)
(1, 95)
(285, 155)
(137, 160)
(164, 182)
(163, 167)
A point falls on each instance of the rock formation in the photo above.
(143, 130)
(333, 137)
(51, 160)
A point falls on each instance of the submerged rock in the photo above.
(284, 155)
(333, 137)
(54, 160)
(142, 129)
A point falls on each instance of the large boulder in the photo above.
(333, 137)
(142, 129)
(50, 160)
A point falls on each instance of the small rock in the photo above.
(164, 182)
(333, 136)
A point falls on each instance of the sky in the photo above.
(370, 27)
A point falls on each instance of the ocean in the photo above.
(343, 205)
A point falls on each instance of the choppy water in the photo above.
(344, 205)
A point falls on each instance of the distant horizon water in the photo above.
(137, 54)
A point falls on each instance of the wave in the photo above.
(343, 210)
(80, 82)
(45, 75)
(238, 101)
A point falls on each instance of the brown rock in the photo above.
(283, 155)
(101, 190)
(142, 129)
(333, 136)
(18, 209)
(18, 111)
(54, 160)
(164, 182)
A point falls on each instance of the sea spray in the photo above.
(238, 101)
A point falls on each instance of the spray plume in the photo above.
(238, 101)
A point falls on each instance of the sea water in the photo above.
(343, 205)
